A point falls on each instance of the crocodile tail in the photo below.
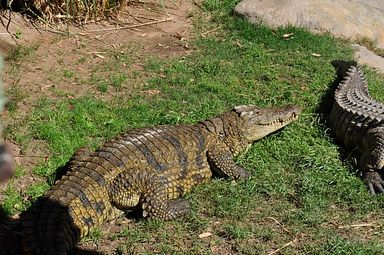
(48, 228)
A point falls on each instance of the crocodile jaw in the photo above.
(260, 122)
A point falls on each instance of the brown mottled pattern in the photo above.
(147, 168)
(357, 121)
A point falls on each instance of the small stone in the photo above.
(287, 35)
(205, 235)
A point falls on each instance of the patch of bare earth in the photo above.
(158, 31)
(63, 63)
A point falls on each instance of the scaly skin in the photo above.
(148, 169)
(357, 121)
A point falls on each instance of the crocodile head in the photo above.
(259, 122)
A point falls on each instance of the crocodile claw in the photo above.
(242, 174)
(374, 182)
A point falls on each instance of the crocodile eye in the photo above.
(250, 113)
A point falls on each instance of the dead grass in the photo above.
(79, 12)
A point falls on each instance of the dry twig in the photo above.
(198, 5)
(129, 27)
(278, 223)
(284, 246)
(358, 225)
(210, 31)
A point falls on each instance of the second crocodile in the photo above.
(358, 123)
(146, 168)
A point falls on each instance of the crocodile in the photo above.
(358, 123)
(147, 170)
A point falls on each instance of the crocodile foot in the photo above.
(178, 207)
(242, 174)
(374, 182)
(169, 210)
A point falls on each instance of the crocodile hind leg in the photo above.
(124, 191)
(221, 161)
(372, 159)
(163, 201)
(156, 194)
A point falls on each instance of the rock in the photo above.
(344, 18)
(364, 56)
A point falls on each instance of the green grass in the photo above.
(20, 52)
(14, 96)
(14, 201)
(303, 193)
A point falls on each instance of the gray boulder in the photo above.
(364, 56)
(344, 18)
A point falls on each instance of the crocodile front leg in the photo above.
(221, 161)
(372, 159)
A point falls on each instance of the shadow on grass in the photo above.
(10, 241)
(325, 108)
(11, 237)
(341, 68)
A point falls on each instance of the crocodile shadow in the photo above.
(10, 241)
(323, 110)
(10, 234)
(325, 107)
(327, 100)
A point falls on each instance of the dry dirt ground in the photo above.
(160, 32)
